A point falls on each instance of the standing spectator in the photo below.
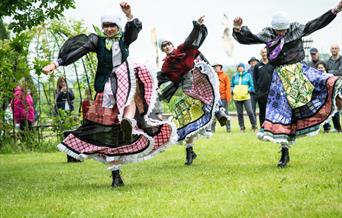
(334, 66)
(64, 101)
(225, 96)
(314, 54)
(87, 101)
(64, 96)
(23, 109)
(241, 86)
(321, 66)
(252, 62)
(262, 78)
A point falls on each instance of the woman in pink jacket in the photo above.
(23, 110)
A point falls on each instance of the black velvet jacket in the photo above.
(292, 51)
(78, 46)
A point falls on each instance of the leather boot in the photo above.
(285, 157)
(72, 160)
(117, 181)
(190, 156)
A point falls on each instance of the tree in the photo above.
(29, 13)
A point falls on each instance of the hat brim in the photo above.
(217, 65)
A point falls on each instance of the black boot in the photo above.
(221, 116)
(190, 156)
(72, 160)
(117, 181)
(285, 157)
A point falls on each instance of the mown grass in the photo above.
(234, 176)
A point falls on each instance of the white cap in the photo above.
(280, 21)
(161, 40)
(111, 19)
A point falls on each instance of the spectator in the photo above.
(252, 62)
(314, 54)
(334, 66)
(241, 86)
(225, 95)
(87, 101)
(23, 109)
(321, 66)
(262, 78)
(64, 96)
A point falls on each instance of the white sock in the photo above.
(188, 145)
(114, 167)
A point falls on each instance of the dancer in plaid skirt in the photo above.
(190, 86)
(300, 98)
(117, 127)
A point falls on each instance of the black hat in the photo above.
(313, 51)
(252, 59)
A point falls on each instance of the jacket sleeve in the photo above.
(76, 47)
(232, 83)
(318, 23)
(245, 36)
(228, 95)
(338, 71)
(255, 77)
(59, 96)
(71, 95)
(132, 30)
(197, 36)
(250, 84)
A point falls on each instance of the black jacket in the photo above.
(62, 98)
(262, 78)
(78, 46)
(292, 51)
(335, 66)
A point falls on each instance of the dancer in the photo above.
(186, 70)
(117, 128)
(300, 97)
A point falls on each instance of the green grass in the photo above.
(233, 176)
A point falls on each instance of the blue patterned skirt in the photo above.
(283, 123)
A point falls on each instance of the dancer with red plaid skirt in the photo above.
(117, 127)
(190, 87)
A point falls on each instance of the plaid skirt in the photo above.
(194, 104)
(101, 138)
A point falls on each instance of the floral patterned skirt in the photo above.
(196, 101)
(314, 100)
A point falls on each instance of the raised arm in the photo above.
(243, 35)
(72, 50)
(133, 26)
(319, 22)
(197, 35)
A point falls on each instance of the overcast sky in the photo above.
(173, 18)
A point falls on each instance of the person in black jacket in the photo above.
(334, 66)
(300, 97)
(262, 77)
(64, 96)
(117, 129)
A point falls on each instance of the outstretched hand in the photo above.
(237, 23)
(49, 68)
(200, 20)
(126, 8)
(339, 6)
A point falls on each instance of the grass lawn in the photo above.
(234, 175)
